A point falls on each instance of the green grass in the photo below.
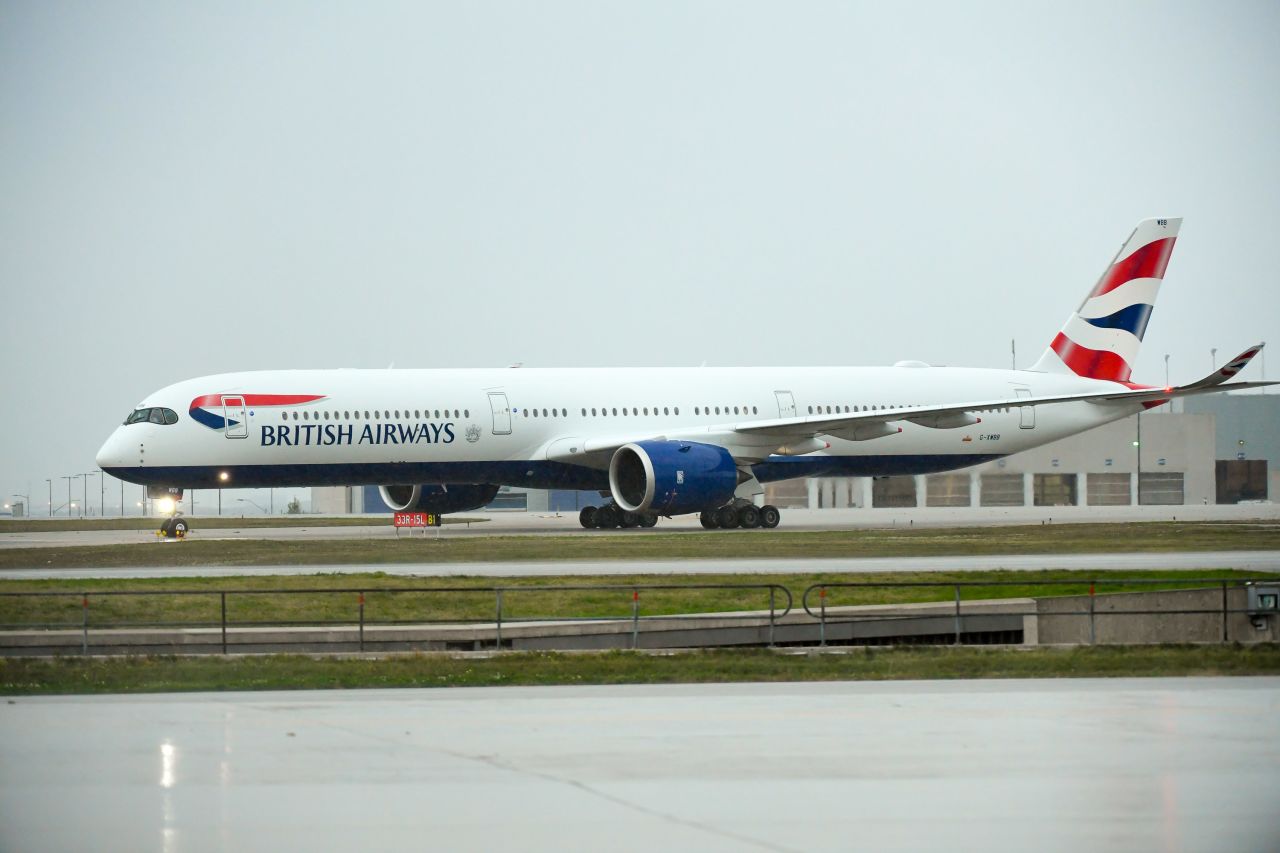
(473, 599)
(22, 676)
(1152, 537)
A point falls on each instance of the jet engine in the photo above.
(671, 477)
(438, 498)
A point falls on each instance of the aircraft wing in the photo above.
(953, 415)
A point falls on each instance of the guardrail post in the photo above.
(822, 622)
(635, 619)
(498, 640)
(84, 623)
(772, 593)
(1224, 611)
(957, 617)
(1093, 635)
(223, 596)
(362, 620)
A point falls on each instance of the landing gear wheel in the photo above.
(587, 517)
(607, 517)
(708, 519)
(648, 519)
(748, 517)
(629, 520)
(166, 527)
(726, 517)
(769, 516)
(179, 528)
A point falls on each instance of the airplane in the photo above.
(657, 441)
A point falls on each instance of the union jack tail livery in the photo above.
(1101, 339)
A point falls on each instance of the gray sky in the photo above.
(195, 188)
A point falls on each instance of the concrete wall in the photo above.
(1166, 626)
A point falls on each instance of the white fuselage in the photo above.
(554, 428)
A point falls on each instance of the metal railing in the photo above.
(845, 615)
(937, 612)
(779, 604)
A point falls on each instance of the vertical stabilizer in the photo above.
(1100, 339)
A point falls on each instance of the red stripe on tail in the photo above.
(1148, 262)
(1095, 364)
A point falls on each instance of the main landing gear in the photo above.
(744, 515)
(609, 516)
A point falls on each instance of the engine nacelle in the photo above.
(671, 477)
(438, 498)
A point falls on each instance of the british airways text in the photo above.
(328, 435)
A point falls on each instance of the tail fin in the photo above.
(1101, 339)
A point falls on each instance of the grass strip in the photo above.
(1141, 537)
(293, 599)
(23, 676)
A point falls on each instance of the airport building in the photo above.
(1215, 448)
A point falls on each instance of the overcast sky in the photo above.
(189, 189)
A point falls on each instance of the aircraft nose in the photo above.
(112, 452)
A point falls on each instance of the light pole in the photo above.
(1166, 380)
(102, 490)
(260, 507)
(68, 479)
(1138, 446)
(50, 482)
(85, 506)
(1213, 359)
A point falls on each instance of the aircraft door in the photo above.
(786, 404)
(1027, 413)
(237, 418)
(501, 413)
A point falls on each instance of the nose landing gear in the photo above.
(174, 527)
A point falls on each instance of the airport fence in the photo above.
(486, 609)
(1101, 609)
(877, 612)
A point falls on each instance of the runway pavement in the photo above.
(1252, 561)
(795, 520)
(1100, 765)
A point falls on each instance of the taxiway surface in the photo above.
(548, 524)
(1172, 764)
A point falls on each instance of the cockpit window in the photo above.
(155, 415)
